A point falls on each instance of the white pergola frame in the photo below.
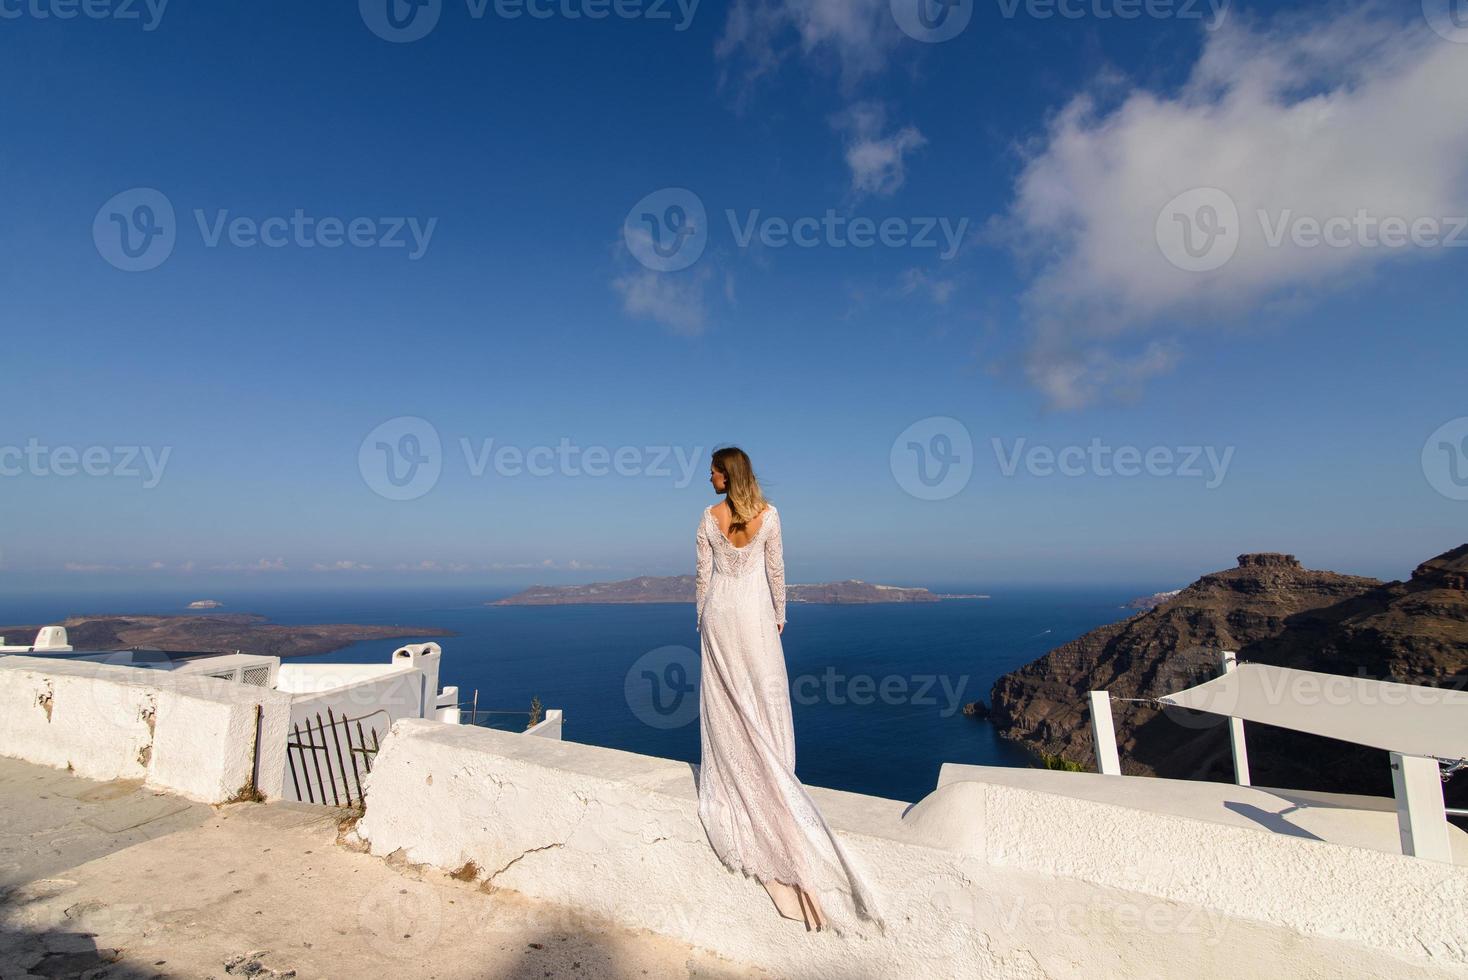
(1416, 780)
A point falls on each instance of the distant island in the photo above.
(213, 634)
(680, 588)
(205, 604)
(1147, 603)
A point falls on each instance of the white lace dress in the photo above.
(758, 817)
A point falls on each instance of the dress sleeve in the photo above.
(704, 566)
(775, 565)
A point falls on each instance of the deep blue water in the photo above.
(877, 690)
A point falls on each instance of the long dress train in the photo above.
(759, 818)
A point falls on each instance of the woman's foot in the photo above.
(786, 899)
(794, 902)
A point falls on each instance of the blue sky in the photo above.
(1292, 395)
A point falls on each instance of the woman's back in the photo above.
(742, 533)
(749, 575)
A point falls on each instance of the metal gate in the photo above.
(330, 759)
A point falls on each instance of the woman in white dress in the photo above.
(758, 817)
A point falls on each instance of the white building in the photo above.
(338, 713)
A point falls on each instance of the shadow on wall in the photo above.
(1277, 822)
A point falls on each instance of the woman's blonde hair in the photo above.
(741, 489)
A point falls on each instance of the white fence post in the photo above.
(1103, 733)
(1236, 729)
(1421, 819)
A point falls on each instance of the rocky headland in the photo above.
(1150, 602)
(213, 634)
(1270, 609)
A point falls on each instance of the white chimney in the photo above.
(52, 639)
(424, 657)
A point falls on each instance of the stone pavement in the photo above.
(118, 881)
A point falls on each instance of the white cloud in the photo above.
(858, 35)
(131, 569)
(936, 288)
(341, 566)
(428, 565)
(548, 564)
(674, 299)
(876, 157)
(1306, 117)
(1073, 379)
(263, 565)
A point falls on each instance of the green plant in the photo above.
(1056, 762)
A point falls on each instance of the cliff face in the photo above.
(1271, 610)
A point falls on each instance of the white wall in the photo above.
(974, 880)
(186, 733)
(312, 678)
(387, 696)
(548, 727)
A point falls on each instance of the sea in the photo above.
(877, 691)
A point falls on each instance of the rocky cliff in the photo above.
(1271, 610)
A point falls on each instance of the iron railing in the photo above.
(471, 714)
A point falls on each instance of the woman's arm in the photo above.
(704, 566)
(775, 567)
